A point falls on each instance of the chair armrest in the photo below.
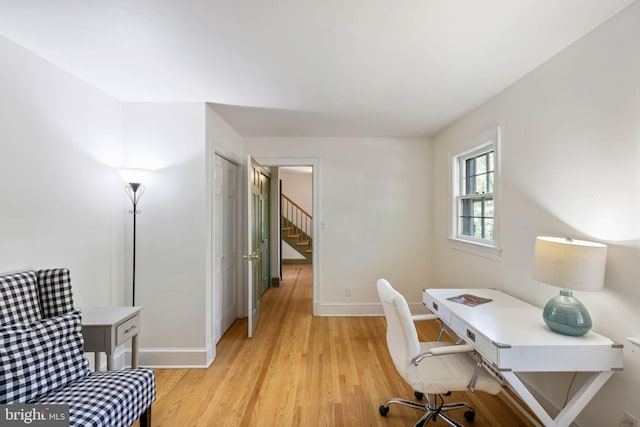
(441, 351)
(420, 317)
(450, 349)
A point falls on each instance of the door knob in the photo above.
(251, 257)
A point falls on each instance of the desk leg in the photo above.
(583, 397)
(134, 352)
(572, 409)
(96, 361)
(110, 361)
(524, 393)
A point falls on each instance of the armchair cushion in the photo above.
(108, 398)
(40, 357)
(19, 302)
(56, 298)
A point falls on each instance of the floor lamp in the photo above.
(133, 177)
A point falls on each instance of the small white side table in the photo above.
(106, 328)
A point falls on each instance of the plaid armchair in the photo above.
(42, 359)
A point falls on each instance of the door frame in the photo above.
(314, 162)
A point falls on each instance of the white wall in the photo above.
(373, 194)
(298, 186)
(222, 138)
(62, 199)
(171, 263)
(570, 158)
(289, 253)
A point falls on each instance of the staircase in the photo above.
(296, 227)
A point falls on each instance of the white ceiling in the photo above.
(306, 67)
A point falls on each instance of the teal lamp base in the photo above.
(566, 315)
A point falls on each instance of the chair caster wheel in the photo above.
(418, 395)
(384, 410)
(470, 416)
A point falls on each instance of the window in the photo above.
(475, 177)
(476, 213)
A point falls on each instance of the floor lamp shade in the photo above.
(133, 175)
(571, 265)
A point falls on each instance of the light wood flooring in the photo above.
(300, 370)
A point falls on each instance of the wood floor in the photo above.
(300, 370)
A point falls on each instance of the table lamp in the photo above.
(569, 264)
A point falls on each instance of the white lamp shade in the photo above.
(134, 175)
(571, 264)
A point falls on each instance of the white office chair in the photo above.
(433, 368)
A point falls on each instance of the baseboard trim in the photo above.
(358, 309)
(175, 357)
(163, 358)
(296, 261)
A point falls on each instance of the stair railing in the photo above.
(300, 220)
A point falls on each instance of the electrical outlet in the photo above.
(347, 292)
(630, 420)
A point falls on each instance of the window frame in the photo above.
(479, 246)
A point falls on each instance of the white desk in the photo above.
(106, 328)
(512, 337)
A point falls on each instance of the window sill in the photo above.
(474, 248)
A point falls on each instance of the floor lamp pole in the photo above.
(134, 191)
(133, 267)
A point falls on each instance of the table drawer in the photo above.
(471, 335)
(436, 308)
(127, 329)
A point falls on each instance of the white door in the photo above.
(226, 196)
(257, 193)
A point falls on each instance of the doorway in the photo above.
(228, 225)
(313, 165)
